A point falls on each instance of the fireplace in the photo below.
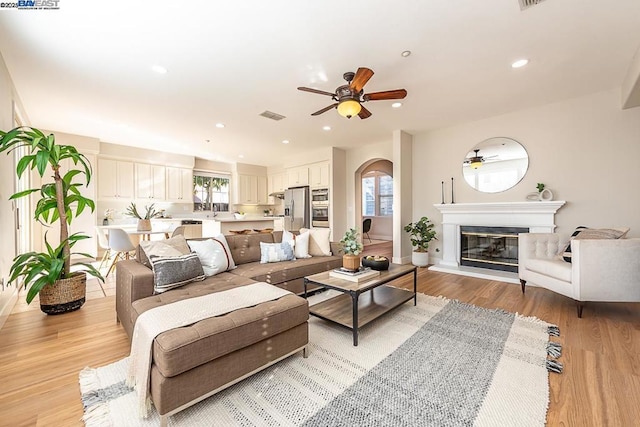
(495, 248)
(534, 217)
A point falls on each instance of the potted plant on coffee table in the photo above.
(421, 233)
(49, 273)
(351, 248)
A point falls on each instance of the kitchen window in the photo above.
(211, 191)
(377, 194)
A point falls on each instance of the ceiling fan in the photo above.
(476, 160)
(349, 97)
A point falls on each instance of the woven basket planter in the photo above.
(65, 295)
(144, 225)
(351, 262)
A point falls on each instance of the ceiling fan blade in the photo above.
(320, 92)
(364, 113)
(387, 94)
(325, 109)
(360, 79)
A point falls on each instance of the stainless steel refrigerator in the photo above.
(297, 212)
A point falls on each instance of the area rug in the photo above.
(440, 363)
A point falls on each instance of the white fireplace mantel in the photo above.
(538, 216)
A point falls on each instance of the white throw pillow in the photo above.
(214, 254)
(319, 244)
(301, 248)
(288, 237)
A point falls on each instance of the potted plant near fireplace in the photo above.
(351, 248)
(49, 273)
(421, 233)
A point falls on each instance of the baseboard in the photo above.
(7, 304)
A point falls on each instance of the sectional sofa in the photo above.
(194, 362)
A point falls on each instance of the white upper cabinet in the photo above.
(297, 176)
(319, 175)
(150, 182)
(251, 190)
(179, 185)
(115, 179)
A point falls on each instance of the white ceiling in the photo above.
(86, 68)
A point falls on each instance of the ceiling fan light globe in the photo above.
(475, 164)
(349, 108)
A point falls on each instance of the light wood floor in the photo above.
(40, 355)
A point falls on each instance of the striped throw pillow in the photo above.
(175, 271)
(584, 233)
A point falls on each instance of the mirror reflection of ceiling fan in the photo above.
(349, 97)
(476, 160)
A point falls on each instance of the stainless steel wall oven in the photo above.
(320, 207)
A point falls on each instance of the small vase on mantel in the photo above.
(144, 225)
(351, 262)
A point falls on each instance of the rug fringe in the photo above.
(97, 416)
(88, 379)
(553, 331)
(554, 349)
(554, 366)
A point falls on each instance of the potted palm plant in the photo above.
(421, 233)
(351, 248)
(49, 273)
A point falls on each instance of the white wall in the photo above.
(7, 176)
(585, 150)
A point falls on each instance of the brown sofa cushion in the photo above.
(280, 272)
(245, 248)
(181, 349)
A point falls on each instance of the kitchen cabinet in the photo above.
(252, 190)
(319, 175)
(115, 179)
(150, 182)
(179, 185)
(297, 176)
(275, 183)
(263, 193)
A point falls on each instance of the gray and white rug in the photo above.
(442, 363)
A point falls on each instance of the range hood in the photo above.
(277, 194)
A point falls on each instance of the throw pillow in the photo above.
(214, 255)
(175, 271)
(584, 233)
(301, 249)
(289, 237)
(319, 244)
(275, 252)
(174, 246)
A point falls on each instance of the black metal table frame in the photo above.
(355, 294)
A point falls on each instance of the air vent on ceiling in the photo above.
(273, 116)
(525, 4)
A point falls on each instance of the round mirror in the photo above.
(495, 165)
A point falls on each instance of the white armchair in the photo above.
(601, 269)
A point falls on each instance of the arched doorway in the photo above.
(374, 201)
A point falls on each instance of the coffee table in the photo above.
(363, 302)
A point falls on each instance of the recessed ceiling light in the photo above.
(241, 156)
(159, 69)
(520, 63)
(220, 125)
(285, 141)
(396, 105)
(405, 53)
(326, 127)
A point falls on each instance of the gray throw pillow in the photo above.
(173, 272)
